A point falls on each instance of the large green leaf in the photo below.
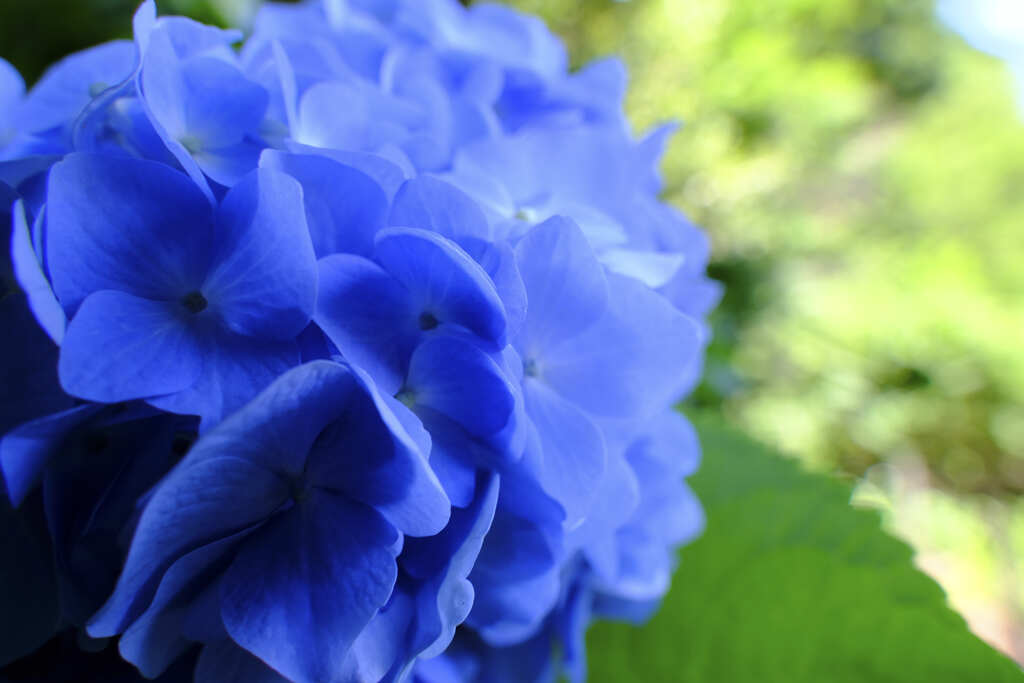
(789, 583)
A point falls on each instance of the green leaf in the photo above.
(790, 583)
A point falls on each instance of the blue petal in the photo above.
(234, 370)
(220, 104)
(444, 281)
(228, 165)
(444, 601)
(155, 639)
(451, 375)
(617, 498)
(433, 204)
(119, 347)
(367, 454)
(29, 273)
(387, 173)
(653, 268)
(206, 498)
(573, 450)
(91, 490)
(499, 260)
(508, 612)
(448, 459)
(68, 86)
(116, 223)
(302, 588)
(26, 450)
(225, 662)
(164, 86)
(565, 285)
(29, 387)
(633, 361)
(344, 207)
(12, 88)
(279, 426)
(368, 316)
(263, 276)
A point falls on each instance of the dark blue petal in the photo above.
(116, 223)
(206, 498)
(26, 450)
(367, 454)
(279, 426)
(444, 281)
(508, 612)
(303, 587)
(29, 273)
(29, 607)
(444, 561)
(155, 639)
(452, 376)
(225, 662)
(433, 204)
(119, 347)
(263, 276)
(565, 285)
(368, 315)
(344, 207)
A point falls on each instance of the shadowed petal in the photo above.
(303, 587)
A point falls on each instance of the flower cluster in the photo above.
(350, 354)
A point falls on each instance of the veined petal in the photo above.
(235, 369)
(29, 274)
(367, 454)
(344, 207)
(444, 281)
(368, 316)
(125, 224)
(263, 276)
(565, 285)
(433, 204)
(453, 376)
(573, 450)
(225, 662)
(203, 500)
(632, 361)
(301, 589)
(120, 347)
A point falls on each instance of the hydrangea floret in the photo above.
(347, 352)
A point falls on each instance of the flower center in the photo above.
(194, 302)
(299, 489)
(428, 321)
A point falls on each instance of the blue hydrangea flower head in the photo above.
(346, 352)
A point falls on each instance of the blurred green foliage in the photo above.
(859, 170)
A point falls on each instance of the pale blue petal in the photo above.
(264, 274)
